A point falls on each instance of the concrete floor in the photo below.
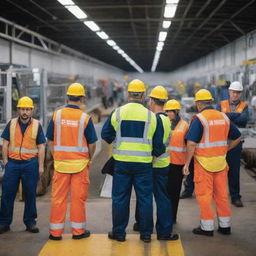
(242, 242)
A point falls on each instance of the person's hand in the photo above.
(185, 170)
(5, 162)
(41, 170)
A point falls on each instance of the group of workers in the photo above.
(152, 150)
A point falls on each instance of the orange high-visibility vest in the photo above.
(212, 149)
(69, 140)
(23, 147)
(177, 144)
(225, 106)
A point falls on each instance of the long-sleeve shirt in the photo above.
(239, 119)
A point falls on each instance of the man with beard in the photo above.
(23, 156)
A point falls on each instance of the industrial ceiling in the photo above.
(198, 27)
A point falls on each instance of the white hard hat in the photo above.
(236, 86)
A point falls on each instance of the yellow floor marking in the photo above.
(100, 245)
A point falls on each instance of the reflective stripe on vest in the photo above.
(12, 148)
(206, 143)
(57, 225)
(143, 140)
(164, 159)
(119, 139)
(225, 107)
(177, 143)
(79, 148)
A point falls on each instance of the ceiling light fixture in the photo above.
(162, 36)
(76, 11)
(102, 35)
(169, 11)
(92, 25)
(66, 2)
(166, 24)
(111, 42)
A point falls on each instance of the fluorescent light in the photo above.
(66, 2)
(111, 42)
(116, 47)
(166, 24)
(102, 35)
(172, 1)
(76, 11)
(120, 51)
(160, 46)
(162, 36)
(169, 11)
(92, 25)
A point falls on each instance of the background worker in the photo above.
(71, 137)
(177, 149)
(158, 97)
(136, 138)
(23, 153)
(237, 112)
(207, 140)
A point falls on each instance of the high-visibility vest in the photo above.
(70, 151)
(23, 147)
(164, 159)
(177, 144)
(225, 107)
(133, 149)
(212, 149)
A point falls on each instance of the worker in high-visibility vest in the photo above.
(23, 153)
(237, 112)
(207, 140)
(164, 223)
(72, 139)
(177, 149)
(136, 139)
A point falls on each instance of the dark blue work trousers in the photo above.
(125, 176)
(27, 172)
(163, 203)
(233, 160)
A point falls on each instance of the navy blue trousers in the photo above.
(125, 176)
(233, 159)
(163, 203)
(27, 172)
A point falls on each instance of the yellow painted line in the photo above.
(100, 245)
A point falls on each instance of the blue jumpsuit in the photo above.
(27, 172)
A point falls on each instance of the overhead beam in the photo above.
(33, 15)
(205, 21)
(237, 27)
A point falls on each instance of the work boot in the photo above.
(237, 203)
(185, 194)
(115, 236)
(171, 237)
(32, 229)
(145, 238)
(199, 231)
(136, 227)
(86, 234)
(55, 238)
(4, 229)
(225, 231)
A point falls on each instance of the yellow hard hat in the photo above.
(76, 89)
(203, 94)
(159, 92)
(25, 102)
(136, 85)
(172, 105)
